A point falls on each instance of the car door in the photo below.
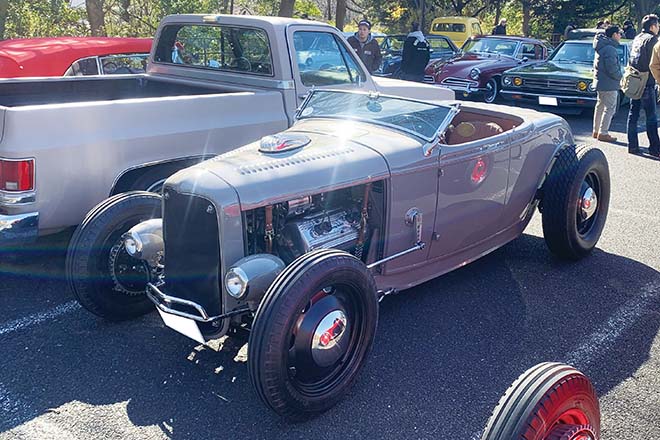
(472, 183)
(337, 66)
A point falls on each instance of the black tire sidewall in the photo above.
(89, 249)
(269, 338)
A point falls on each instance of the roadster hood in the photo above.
(339, 154)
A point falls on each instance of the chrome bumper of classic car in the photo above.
(562, 100)
(19, 228)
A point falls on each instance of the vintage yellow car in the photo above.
(458, 29)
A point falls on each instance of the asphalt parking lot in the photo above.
(444, 351)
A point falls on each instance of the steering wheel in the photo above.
(246, 64)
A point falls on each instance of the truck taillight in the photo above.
(16, 175)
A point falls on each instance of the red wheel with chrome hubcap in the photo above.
(550, 401)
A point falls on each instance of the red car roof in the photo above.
(53, 56)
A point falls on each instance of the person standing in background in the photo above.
(500, 29)
(629, 31)
(415, 56)
(640, 58)
(366, 47)
(607, 75)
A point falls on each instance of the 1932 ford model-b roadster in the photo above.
(297, 237)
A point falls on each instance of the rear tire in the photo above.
(550, 401)
(312, 333)
(102, 276)
(571, 225)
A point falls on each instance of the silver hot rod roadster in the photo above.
(297, 237)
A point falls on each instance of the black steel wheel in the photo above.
(550, 401)
(575, 201)
(102, 276)
(312, 333)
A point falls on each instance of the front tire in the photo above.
(312, 333)
(492, 89)
(576, 199)
(550, 401)
(102, 276)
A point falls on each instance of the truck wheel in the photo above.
(550, 401)
(152, 180)
(576, 198)
(103, 277)
(312, 333)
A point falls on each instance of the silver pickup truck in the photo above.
(213, 83)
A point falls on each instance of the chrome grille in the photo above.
(459, 82)
(544, 84)
(429, 79)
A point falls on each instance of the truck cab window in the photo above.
(86, 66)
(229, 48)
(322, 61)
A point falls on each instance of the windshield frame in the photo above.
(453, 108)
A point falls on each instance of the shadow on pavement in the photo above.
(444, 354)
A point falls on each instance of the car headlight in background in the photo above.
(592, 87)
(507, 81)
(474, 73)
(236, 282)
(517, 81)
(582, 86)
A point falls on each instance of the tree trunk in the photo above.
(527, 11)
(224, 6)
(498, 11)
(340, 14)
(125, 16)
(96, 17)
(329, 10)
(286, 8)
(4, 7)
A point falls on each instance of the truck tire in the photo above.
(576, 198)
(312, 333)
(102, 276)
(550, 401)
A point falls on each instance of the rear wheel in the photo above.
(103, 277)
(575, 201)
(550, 401)
(312, 333)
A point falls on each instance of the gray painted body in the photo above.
(462, 221)
(82, 149)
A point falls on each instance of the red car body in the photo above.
(478, 72)
(54, 56)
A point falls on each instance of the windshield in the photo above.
(582, 53)
(419, 118)
(491, 45)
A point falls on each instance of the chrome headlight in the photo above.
(236, 282)
(507, 81)
(474, 74)
(592, 87)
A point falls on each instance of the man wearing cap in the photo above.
(366, 47)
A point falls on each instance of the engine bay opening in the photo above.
(348, 219)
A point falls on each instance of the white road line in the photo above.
(38, 318)
(616, 324)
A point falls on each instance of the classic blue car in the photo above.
(442, 48)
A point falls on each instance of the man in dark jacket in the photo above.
(629, 31)
(607, 75)
(500, 29)
(415, 56)
(366, 47)
(640, 58)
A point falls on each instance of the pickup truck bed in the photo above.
(40, 92)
